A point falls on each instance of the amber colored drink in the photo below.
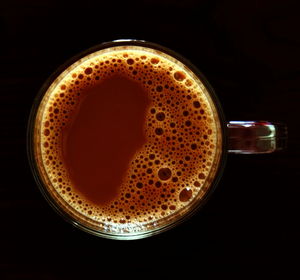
(127, 138)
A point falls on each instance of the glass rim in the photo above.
(33, 163)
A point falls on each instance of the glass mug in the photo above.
(190, 139)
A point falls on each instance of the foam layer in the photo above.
(177, 161)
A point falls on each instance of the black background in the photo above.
(250, 53)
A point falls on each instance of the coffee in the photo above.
(127, 138)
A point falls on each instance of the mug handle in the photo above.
(256, 137)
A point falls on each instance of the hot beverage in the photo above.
(127, 139)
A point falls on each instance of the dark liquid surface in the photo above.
(105, 132)
(128, 137)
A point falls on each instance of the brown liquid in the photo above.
(103, 137)
(128, 136)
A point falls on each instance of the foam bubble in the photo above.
(185, 195)
(164, 173)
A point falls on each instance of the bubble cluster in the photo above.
(176, 162)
